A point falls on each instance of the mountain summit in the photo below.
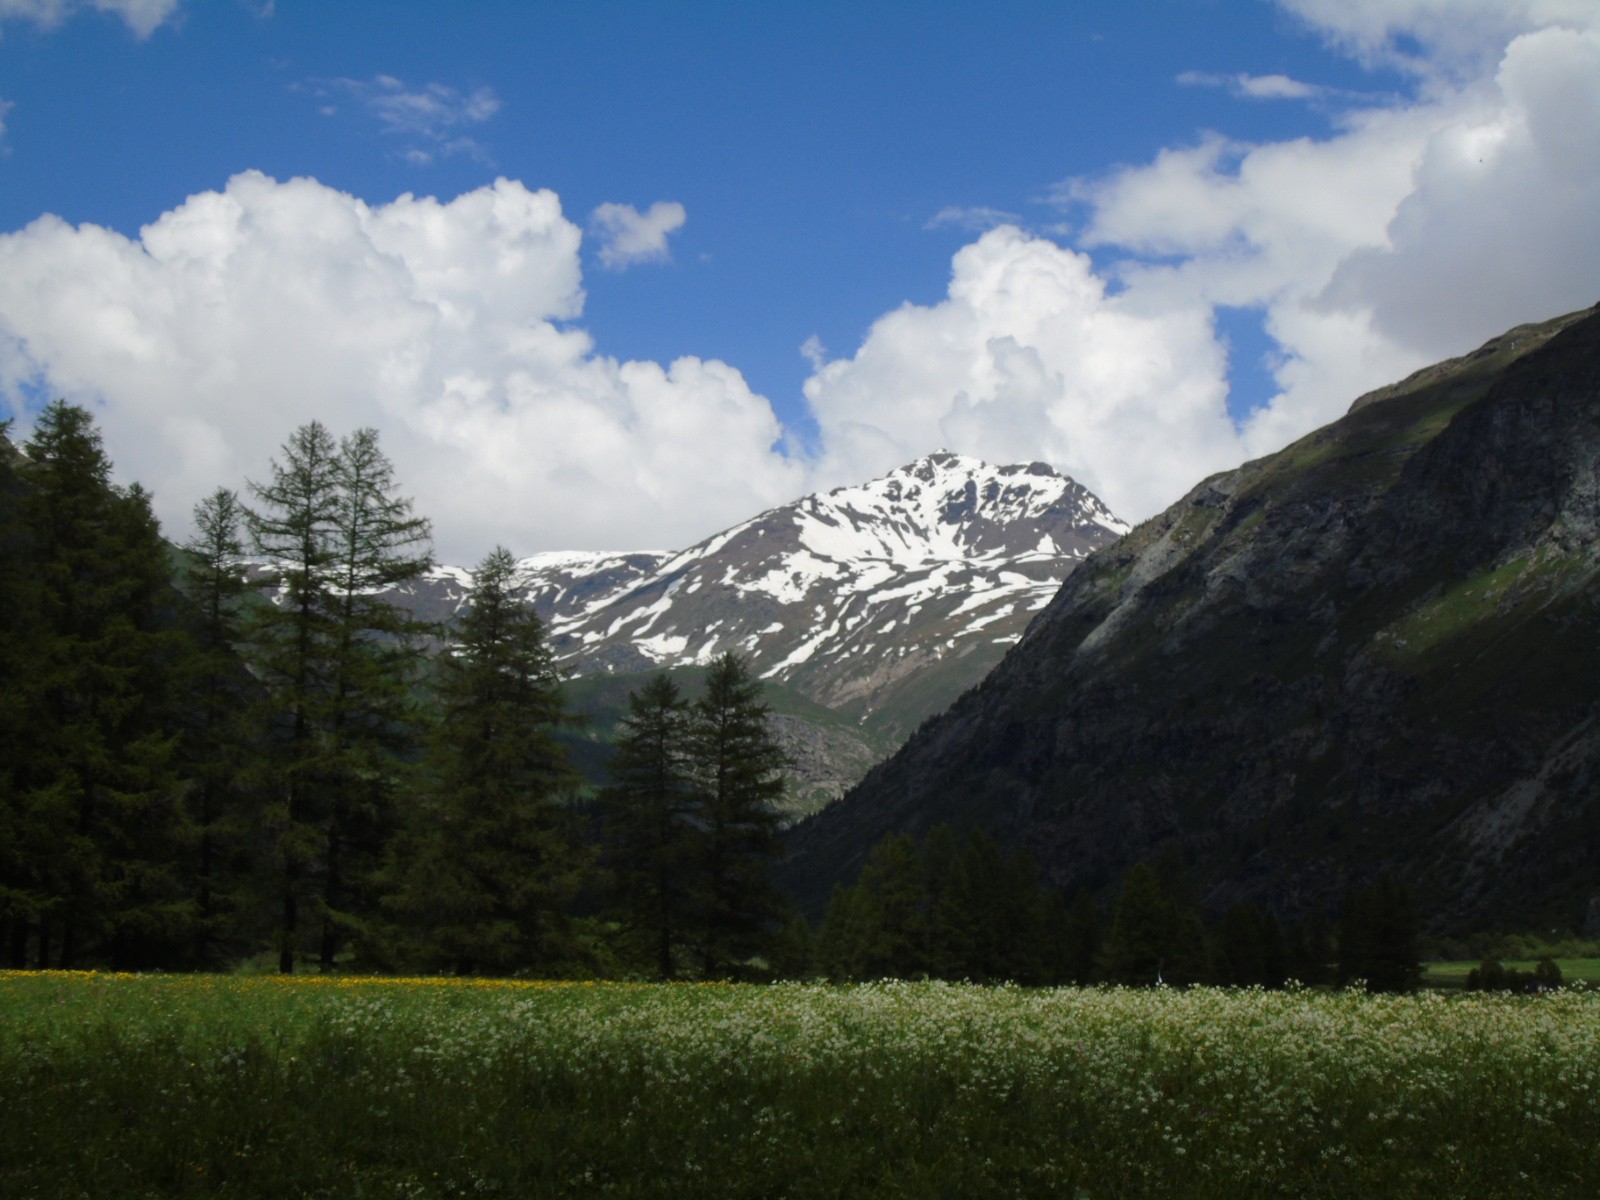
(846, 594)
(879, 602)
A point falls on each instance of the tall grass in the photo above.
(214, 1086)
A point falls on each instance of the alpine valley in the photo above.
(865, 610)
(1377, 650)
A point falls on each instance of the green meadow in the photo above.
(1454, 974)
(176, 1086)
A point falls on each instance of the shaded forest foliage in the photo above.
(268, 765)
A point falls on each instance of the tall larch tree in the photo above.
(216, 740)
(338, 660)
(377, 544)
(647, 811)
(486, 871)
(291, 645)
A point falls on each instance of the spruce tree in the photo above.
(738, 769)
(1002, 897)
(1235, 948)
(647, 812)
(1378, 938)
(894, 897)
(21, 892)
(952, 930)
(1056, 945)
(793, 951)
(97, 812)
(490, 864)
(1083, 939)
(1153, 938)
(845, 939)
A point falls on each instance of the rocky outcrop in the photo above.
(1376, 649)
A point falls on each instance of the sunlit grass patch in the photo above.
(1454, 973)
(334, 1087)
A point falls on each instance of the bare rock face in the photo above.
(1377, 649)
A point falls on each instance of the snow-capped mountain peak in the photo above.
(842, 593)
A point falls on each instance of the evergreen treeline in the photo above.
(691, 828)
(268, 765)
(953, 909)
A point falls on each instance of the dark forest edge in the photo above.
(208, 777)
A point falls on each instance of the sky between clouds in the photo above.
(237, 233)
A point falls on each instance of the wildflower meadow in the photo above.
(135, 1086)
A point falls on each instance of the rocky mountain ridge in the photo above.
(1378, 649)
(852, 597)
(878, 603)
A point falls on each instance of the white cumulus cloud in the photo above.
(1418, 229)
(628, 236)
(1027, 358)
(1435, 37)
(246, 312)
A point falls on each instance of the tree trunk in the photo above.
(330, 891)
(287, 934)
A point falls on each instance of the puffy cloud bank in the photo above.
(1417, 229)
(246, 312)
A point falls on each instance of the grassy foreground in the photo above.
(229, 1086)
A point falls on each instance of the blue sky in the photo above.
(1142, 241)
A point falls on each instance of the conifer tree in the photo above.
(98, 811)
(1238, 947)
(952, 932)
(647, 812)
(215, 738)
(376, 544)
(844, 941)
(1002, 896)
(894, 899)
(1055, 956)
(793, 951)
(1378, 938)
(21, 894)
(1083, 939)
(292, 650)
(1153, 938)
(339, 661)
(737, 766)
(489, 865)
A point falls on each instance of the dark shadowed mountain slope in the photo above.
(1376, 649)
